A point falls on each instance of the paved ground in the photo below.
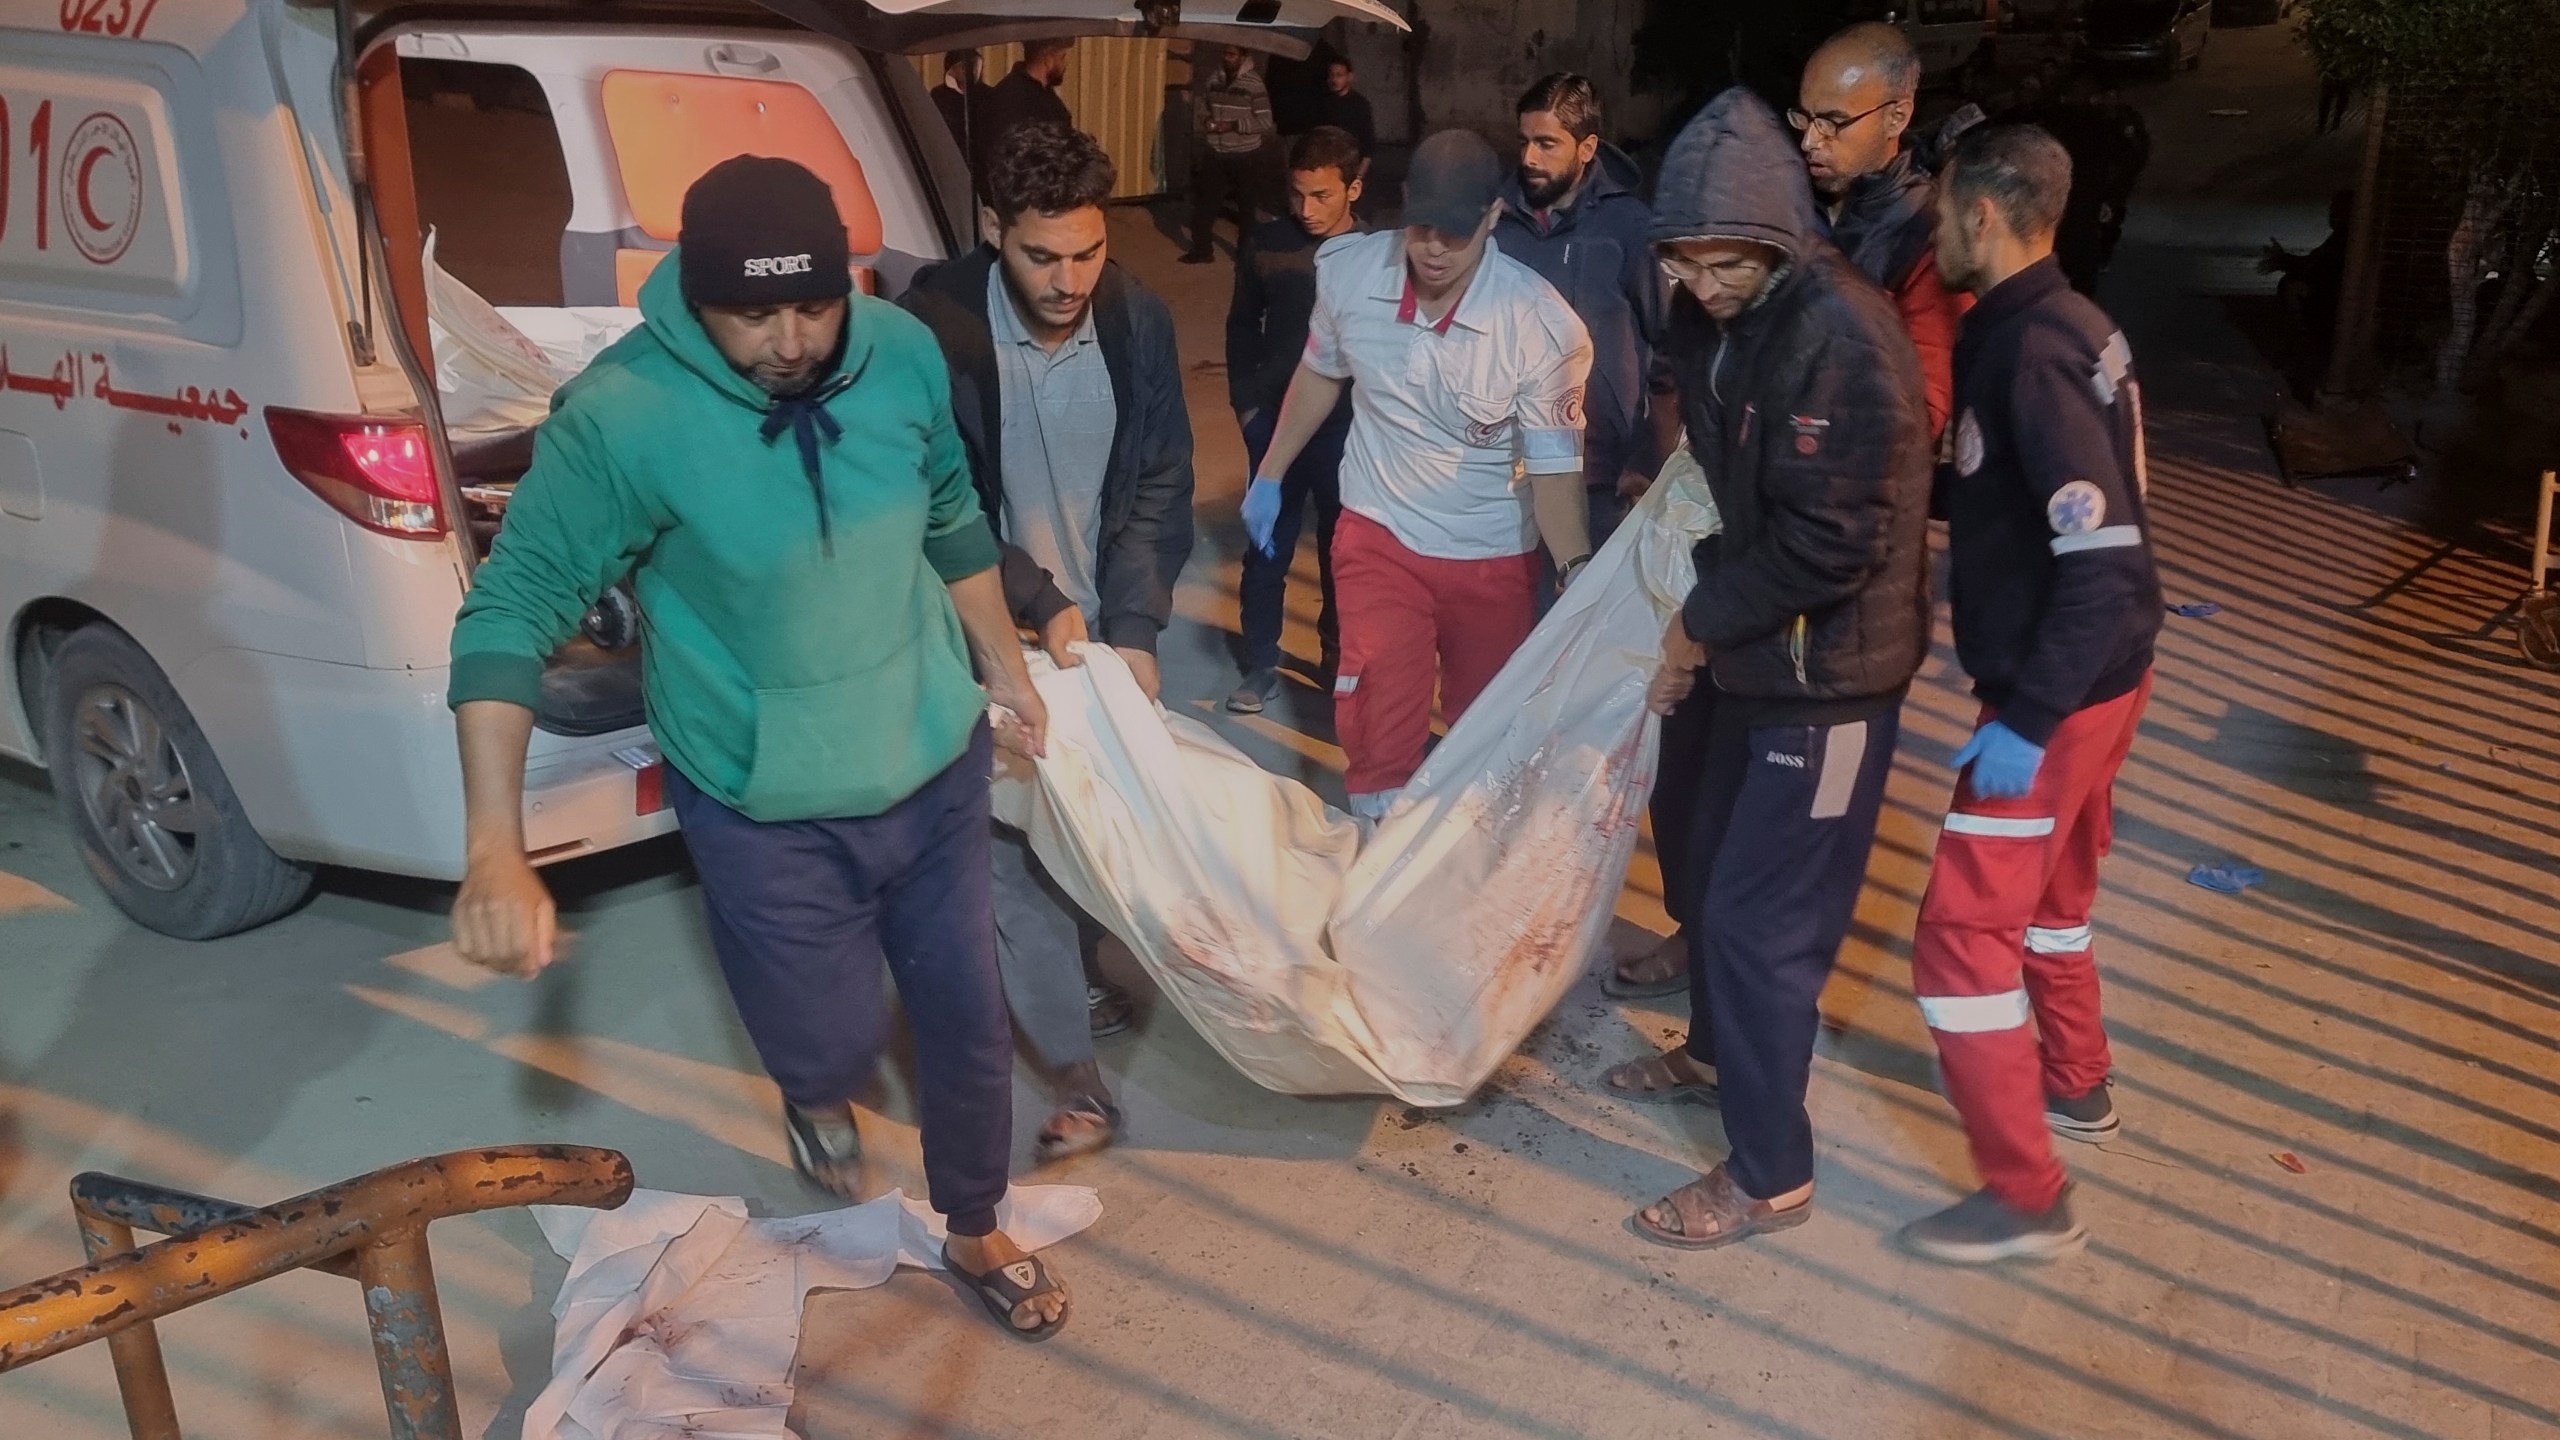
(2384, 1009)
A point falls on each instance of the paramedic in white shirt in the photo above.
(1467, 373)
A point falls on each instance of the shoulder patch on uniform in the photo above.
(1968, 443)
(2076, 508)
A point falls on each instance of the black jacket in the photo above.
(1017, 99)
(960, 114)
(1592, 248)
(1807, 413)
(1350, 112)
(1888, 220)
(2057, 601)
(1275, 299)
(1146, 492)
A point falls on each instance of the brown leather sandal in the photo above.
(1662, 970)
(1712, 1211)
(1652, 1081)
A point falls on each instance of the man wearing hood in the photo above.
(1853, 115)
(1571, 213)
(1852, 111)
(771, 458)
(1804, 402)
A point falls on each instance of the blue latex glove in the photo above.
(1261, 512)
(2004, 762)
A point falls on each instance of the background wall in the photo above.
(1116, 90)
(1467, 61)
(1464, 65)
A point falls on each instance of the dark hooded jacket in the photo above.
(1592, 247)
(1807, 414)
(1146, 486)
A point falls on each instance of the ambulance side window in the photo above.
(491, 179)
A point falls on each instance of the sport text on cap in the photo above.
(762, 231)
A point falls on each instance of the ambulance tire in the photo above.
(158, 824)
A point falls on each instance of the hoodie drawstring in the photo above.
(806, 417)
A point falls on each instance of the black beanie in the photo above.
(762, 231)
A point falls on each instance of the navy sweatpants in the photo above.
(805, 913)
(1674, 806)
(1314, 478)
(1786, 815)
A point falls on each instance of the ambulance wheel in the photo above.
(2538, 630)
(156, 818)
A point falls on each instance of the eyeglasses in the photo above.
(1731, 274)
(1829, 124)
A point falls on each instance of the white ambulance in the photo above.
(255, 435)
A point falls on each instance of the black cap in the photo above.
(762, 231)
(1454, 179)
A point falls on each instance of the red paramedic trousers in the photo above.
(1412, 623)
(2004, 935)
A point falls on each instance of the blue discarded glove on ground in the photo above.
(1261, 512)
(2228, 879)
(2004, 762)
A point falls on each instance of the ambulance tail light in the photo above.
(379, 473)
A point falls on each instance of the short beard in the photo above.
(791, 389)
(1542, 194)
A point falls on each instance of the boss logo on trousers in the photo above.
(769, 265)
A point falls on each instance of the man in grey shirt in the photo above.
(1056, 402)
(1067, 390)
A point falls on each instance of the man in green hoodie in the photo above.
(772, 460)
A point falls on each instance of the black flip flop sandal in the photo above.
(1004, 1289)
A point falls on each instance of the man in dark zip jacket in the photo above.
(1571, 213)
(1804, 403)
(1068, 397)
(2057, 603)
(1854, 109)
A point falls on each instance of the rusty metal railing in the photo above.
(372, 1229)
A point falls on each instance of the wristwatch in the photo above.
(1566, 571)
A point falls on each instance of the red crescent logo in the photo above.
(89, 212)
(102, 194)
